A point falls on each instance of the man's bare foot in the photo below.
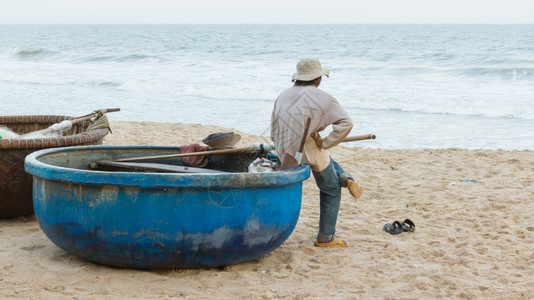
(355, 189)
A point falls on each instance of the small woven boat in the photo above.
(15, 183)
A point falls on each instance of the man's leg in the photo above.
(330, 198)
(343, 176)
(346, 180)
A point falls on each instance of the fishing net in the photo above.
(99, 121)
(6, 133)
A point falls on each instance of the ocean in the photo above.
(413, 86)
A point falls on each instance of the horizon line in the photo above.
(163, 23)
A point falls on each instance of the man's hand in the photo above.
(318, 139)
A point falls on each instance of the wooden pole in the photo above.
(238, 150)
(225, 151)
(359, 138)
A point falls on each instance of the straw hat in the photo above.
(309, 69)
(222, 140)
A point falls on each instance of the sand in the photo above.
(473, 239)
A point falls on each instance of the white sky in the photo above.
(267, 11)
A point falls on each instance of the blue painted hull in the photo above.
(160, 220)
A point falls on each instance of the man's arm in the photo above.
(341, 123)
(340, 130)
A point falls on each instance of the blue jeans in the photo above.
(329, 181)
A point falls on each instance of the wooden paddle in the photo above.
(298, 155)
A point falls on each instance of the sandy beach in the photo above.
(474, 237)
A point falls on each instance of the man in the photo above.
(291, 110)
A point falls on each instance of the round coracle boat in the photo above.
(155, 219)
(15, 184)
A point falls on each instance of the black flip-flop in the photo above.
(408, 225)
(393, 228)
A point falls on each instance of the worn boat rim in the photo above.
(37, 168)
(36, 143)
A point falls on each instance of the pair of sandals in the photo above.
(393, 228)
(398, 227)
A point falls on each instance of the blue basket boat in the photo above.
(151, 220)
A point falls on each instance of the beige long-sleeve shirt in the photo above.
(291, 110)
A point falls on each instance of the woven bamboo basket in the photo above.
(15, 184)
